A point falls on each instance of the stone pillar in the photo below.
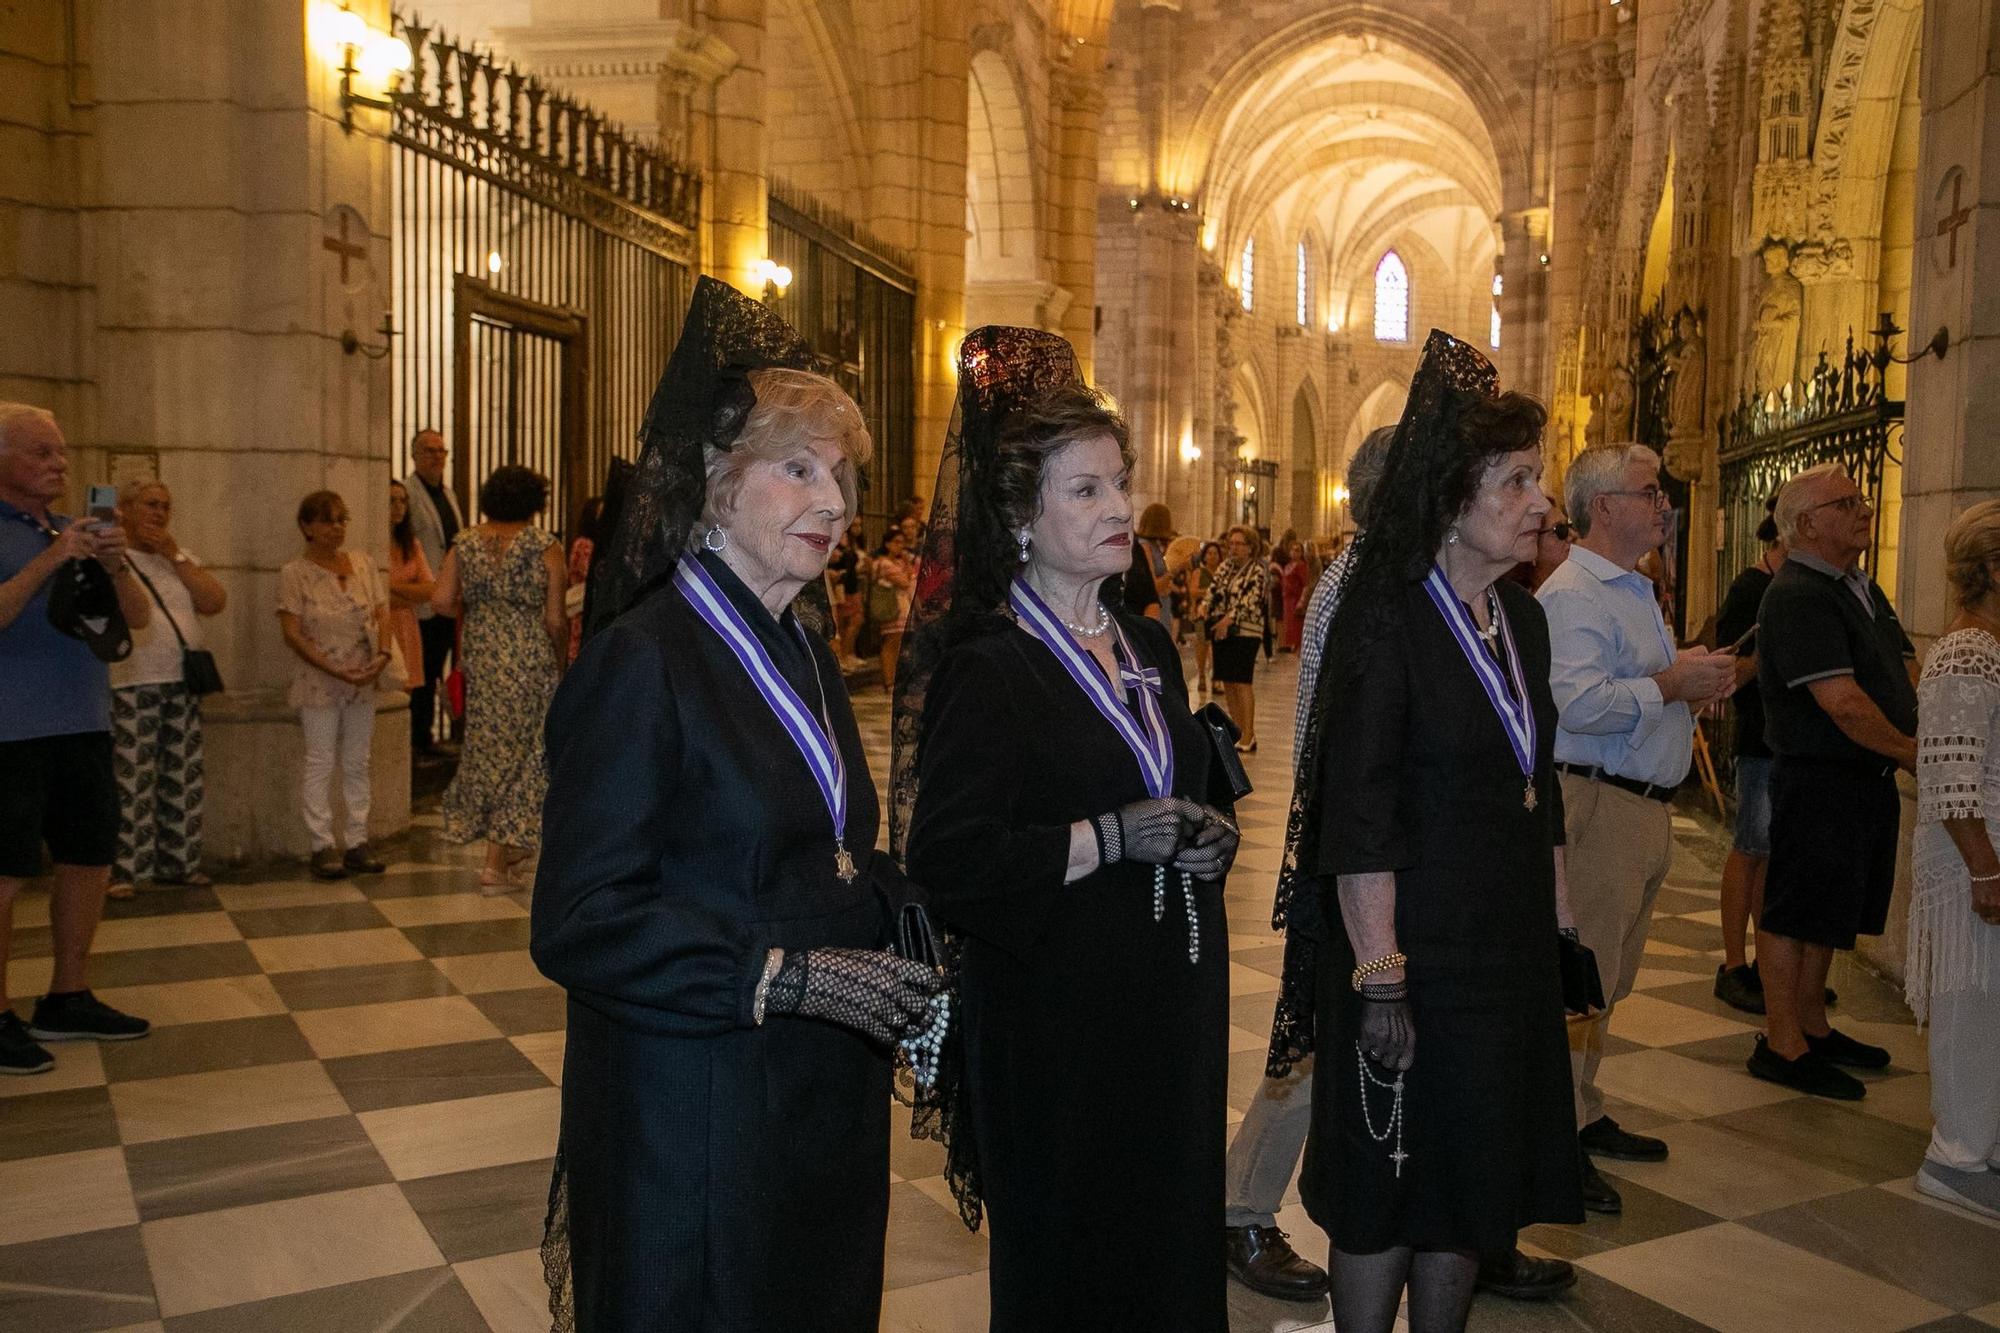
(727, 138)
(1158, 398)
(1079, 110)
(236, 229)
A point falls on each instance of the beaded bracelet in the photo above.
(1385, 992)
(1985, 879)
(773, 960)
(1386, 963)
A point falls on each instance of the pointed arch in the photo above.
(1392, 299)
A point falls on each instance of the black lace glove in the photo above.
(1150, 831)
(1211, 850)
(1388, 1035)
(871, 991)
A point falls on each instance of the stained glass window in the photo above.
(1392, 300)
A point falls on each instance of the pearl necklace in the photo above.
(1492, 631)
(1103, 624)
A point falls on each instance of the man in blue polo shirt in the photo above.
(55, 740)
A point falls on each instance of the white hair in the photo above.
(1596, 471)
(1793, 496)
(14, 414)
(793, 407)
(129, 493)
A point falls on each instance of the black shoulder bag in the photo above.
(198, 669)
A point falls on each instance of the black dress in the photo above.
(1095, 1051)
(1416, 776)
(722, 1175)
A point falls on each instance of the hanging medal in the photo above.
(815, 739)
(1516, 711)
(1146, 736)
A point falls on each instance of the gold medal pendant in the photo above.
(1528, 798)
(843, 863)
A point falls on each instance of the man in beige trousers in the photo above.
(1626, 697)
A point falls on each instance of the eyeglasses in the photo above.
(1560, 531)
(1846, 504)
(1652, 495)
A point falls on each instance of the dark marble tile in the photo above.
(1686, 934)
(542, 1009)
(433, 1074)
(164, 900)
(926, 1241)
(200, 1048)
(1942, 1257)
(1253, 1013)
(1648, 1216)
(99, 1279)
(1700, 995)
(461, 937)
(370, 983)
(1252, 1313)
(1834, 1136)
(1679, 902)
(183, 962)
(430, 1300)
(474, 1214)
(317, 919)
(1957, 1323)
(419, 883)
(1596, 1304)
(31, 942)
(912, 1159)
(1692, 965)
(1620, 1046)
(1246, 1075)
(245, 1166)
(1269, 960)
(44, 1123)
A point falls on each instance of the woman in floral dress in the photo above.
(504, 580)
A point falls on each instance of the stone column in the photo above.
(727, 139)
(1079, 110)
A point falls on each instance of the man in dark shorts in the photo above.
(55, 740)
(1836, 673)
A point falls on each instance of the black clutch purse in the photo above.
(1583, 988)
(1222, 737)
(911, 934)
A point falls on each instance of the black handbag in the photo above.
(1583, 987)
(198, 670)
(1222, 738)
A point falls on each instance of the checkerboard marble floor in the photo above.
(344, 1119)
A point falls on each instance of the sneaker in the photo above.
(1603, 1138)
(81, 1016)
(326, 864)
(1810, 1073)
(1974, 1191)
(18, 1052)
(360, 861)
(1838, 1048)
(1740, 988)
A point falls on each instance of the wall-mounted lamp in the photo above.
(380, 58)
(494, 263)
(350, 343)
(1543, 259)
(774, 277)
(1339, 493)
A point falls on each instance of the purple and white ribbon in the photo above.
(1146, 735)
(815, 740)
(1516, 711)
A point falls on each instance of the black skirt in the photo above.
(1235, 660)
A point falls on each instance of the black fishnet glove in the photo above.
(1209, 853)
(1388, 1036)
(871, 991)
(1150, 831)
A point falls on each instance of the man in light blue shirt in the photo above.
(1625, 696)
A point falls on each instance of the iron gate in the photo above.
(542, 268)
(856, 301)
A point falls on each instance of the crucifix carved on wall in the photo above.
(1957, 217)
(347, 236)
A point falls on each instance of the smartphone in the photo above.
(102, 502)
(1742, 639)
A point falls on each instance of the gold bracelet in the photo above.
(1387, 963)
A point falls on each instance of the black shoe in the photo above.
(81, 1016)
(360, 861)
(1810, 1073)
(1838, 1048)
(1603, 1138)
(1598, 1194)
(18, 1052)
(1264, 1261)
(1740, 988)
(1520, 1277)
(326, 864)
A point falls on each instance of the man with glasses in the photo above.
(1625, 695)
(435, 517)
(1837, 675)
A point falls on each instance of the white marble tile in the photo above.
(1682, 1088)
(64, 1195)
(1653, 1022)
(437, 1138)
(396, 1025)
(184, 1104)
(509, 1291)
(1726, 1175)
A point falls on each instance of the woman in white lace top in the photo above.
(1953, 976)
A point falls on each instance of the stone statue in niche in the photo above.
(1687, 402)
(1619, 398)
(1774, 347)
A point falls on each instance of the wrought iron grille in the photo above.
(543, 260)
(855, 298)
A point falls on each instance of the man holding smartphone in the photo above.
(55, 739)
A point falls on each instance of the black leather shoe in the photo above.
(1264, 1261)
(1739, 988)
(1521, 1277)
(1598, 1195)
(1603, 1138)
(1836, 1047)
(361, 861)
(1810, 1073)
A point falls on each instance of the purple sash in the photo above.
(1152, 746)
(1517, 712)
(816, 742)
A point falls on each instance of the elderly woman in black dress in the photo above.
(1426, 847)
(709, 893)
(1059, 789)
